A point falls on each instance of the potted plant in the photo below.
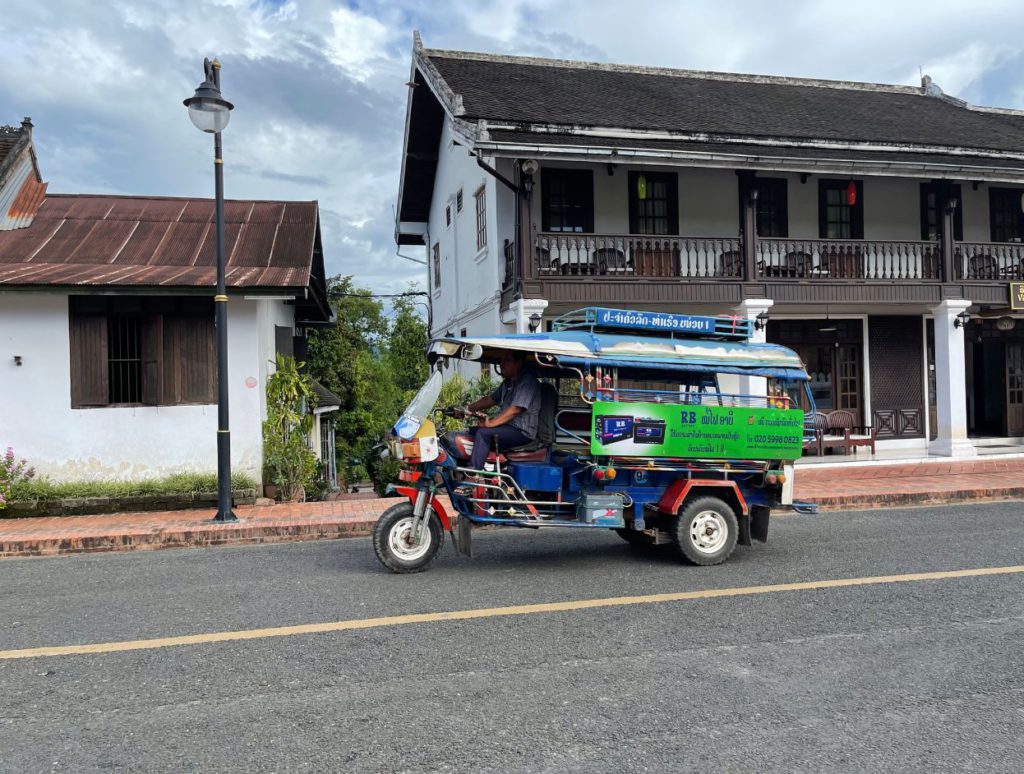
(288, 462)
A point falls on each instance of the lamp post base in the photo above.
(225, 516)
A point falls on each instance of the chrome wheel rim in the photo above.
(708, 532)
(400, 540)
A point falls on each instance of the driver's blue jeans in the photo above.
(483, 442)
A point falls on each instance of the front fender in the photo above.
(411, 492)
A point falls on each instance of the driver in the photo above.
(518, 399)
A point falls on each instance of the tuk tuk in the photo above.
(650, 426)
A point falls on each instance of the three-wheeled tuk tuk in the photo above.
(668, 429)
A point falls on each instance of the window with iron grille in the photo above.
(772, 207)
(437, 265)
(837, 218)
(931, 212)
(481, 218)
(131, 351)
(567, 200)
(658, 211)
(458, 201)
(1005, 217)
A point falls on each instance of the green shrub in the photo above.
(42, 488)
(288, 462)
(13, 474)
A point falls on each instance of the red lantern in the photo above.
(851, 193)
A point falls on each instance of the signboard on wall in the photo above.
(708, 432)
(1017, 295)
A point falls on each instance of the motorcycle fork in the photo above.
(422, 507)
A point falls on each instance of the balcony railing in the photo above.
(989, 260)
(722, 258)
(853, 259)
(631, 255)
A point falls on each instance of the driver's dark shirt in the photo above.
(525, 393)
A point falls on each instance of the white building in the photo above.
(876, 229)
(107, 346)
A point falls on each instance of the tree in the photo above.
(407, 344)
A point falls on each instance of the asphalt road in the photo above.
(914, 676)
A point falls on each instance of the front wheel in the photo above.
(705, 532)
(393, 540)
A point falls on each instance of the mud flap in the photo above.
(759, 516)
(462, 536)
(744, 536)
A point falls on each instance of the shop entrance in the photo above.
(831, 351)
(995, 380)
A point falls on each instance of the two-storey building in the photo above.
(876, 229)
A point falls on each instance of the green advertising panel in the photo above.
(718, 432)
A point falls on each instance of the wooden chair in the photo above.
(730, 264)
(842, 425)
(609, 259)
(982, 267)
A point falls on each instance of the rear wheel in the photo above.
(706, 531)
(393, 540)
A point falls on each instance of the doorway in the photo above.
(995, 382)
(832, 354)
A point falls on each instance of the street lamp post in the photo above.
(210, 112)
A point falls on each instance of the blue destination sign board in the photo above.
(654, 321)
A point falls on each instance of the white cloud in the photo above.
(319, 84)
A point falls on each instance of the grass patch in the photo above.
(180, 483)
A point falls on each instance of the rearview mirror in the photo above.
(471, 352)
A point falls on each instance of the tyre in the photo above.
(706, 531)
(635, 538)
(392, 534)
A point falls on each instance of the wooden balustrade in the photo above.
(633, 255)
(988, 260)
(637, 256)
(852, 259)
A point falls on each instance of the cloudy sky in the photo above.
(319, 87)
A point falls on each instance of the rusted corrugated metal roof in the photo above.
(159, 241)
(21, 193)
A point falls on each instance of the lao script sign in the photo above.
(655, 321)
(709, 432)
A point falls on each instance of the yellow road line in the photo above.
(495, 612)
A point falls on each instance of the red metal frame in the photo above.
(677, 491)
(439, 509)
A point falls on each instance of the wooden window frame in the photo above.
(772, 206)
(671, 217)
(856, 210)
(1013, 195)
(927, 208)
(481, 217)
(577, 216)
(176, 350)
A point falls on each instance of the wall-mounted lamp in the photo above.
(804, 176)
(535, 320)
(761, 321)
(951, 204)
(17, 360)
(528, 184)
(529, 168)
(611, 169)
(961, 320)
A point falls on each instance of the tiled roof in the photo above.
(160, 241)
(516, 90)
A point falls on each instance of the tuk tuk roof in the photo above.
(582, 349)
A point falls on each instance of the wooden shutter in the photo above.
(189, 365)
(151, 351)
(90, 381)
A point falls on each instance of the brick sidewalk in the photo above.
(868, 486)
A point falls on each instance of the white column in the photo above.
(751, 308)
(950, 383)
(521, 310)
